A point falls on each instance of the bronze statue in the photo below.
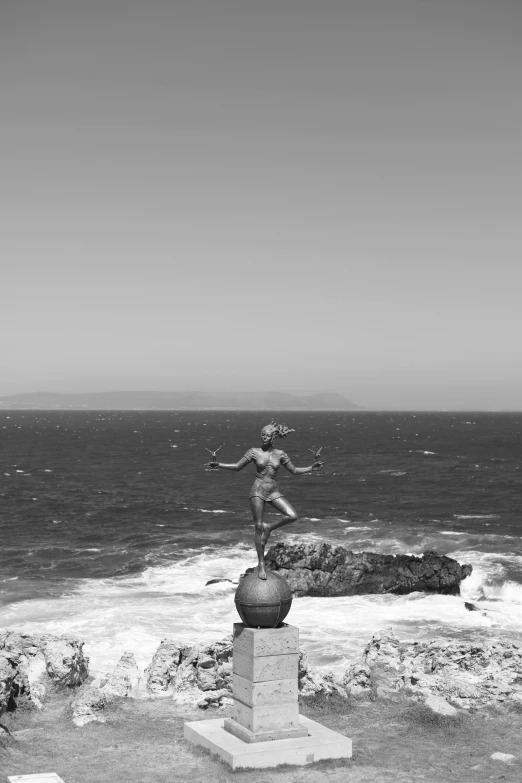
(264, 489)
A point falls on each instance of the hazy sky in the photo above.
(263, 194)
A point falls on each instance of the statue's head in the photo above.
(268, 433)
(272, 431)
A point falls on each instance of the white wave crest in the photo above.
(507, 591)
(452, 533)
(213, 511)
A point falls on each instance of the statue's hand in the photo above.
(317, 465)
(214, 465)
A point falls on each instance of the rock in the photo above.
(202, 674)
(64, 660)
(357, 680)
(312, 682)
(440, 705)
(88, 705)
(469, 674)
(11, 684)
(215, 699)
(36, 675)
(184, 672)
(471, 607)
(124, 680)
(507, 758)
(217, 581)
(91, 700)
(162, 669)
(325, 570)
(30, 663)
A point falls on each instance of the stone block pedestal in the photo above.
(265, 728)
(265, 670)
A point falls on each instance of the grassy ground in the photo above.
(142, 742)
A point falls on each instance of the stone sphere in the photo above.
(263, 603)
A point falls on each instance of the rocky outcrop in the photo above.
(91, 700)
(191, 674)
(202, 674)
(466, 674)
(124, 680)
(12, 684)
(30, 663)
(325, 570)
(89, 705)
(312, 682)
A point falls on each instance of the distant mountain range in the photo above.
(154, 400)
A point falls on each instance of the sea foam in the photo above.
(135, 612)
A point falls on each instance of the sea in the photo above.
(111, 526)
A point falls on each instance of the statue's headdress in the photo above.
(278, 430)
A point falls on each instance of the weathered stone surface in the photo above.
(357, 680)
(88, 705)
(467, 674)
(439, 705)
(33, 662)
(266, 641)
(202, 674)
(266, 667)
(325, 570)
(64, 660)
(274, 716)
(185, 673)
(312, 682)
(506, 758)
(90, 701)
(219, 698)
(124, 680)
(162, 669)
(262, 694)
(11, 685)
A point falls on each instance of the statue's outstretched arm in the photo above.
(229, 466)
(298, 471)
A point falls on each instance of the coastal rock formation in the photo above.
(11, 683)
(311, 681)
(65, 663)
(325, 570)
(90, 701)
(467, 674)
(186, 673)
(29, 663)
(124, 680)
(203, 674)
(88, 705)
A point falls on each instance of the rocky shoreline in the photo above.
(446, 675)
(451, 674)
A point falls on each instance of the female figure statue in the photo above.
(264, 490)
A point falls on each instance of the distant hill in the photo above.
(154, 400)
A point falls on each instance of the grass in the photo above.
(395, 741)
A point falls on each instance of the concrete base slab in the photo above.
(42, 777)
(262, 736)
(321, 743)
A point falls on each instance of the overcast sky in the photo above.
(276, 194)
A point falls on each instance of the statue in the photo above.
(264, 490)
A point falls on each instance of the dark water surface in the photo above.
(112, 495)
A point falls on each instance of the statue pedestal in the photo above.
(265, 728)
(265, 669)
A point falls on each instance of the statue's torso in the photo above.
(267, 464)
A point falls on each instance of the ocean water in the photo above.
(111, 526)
